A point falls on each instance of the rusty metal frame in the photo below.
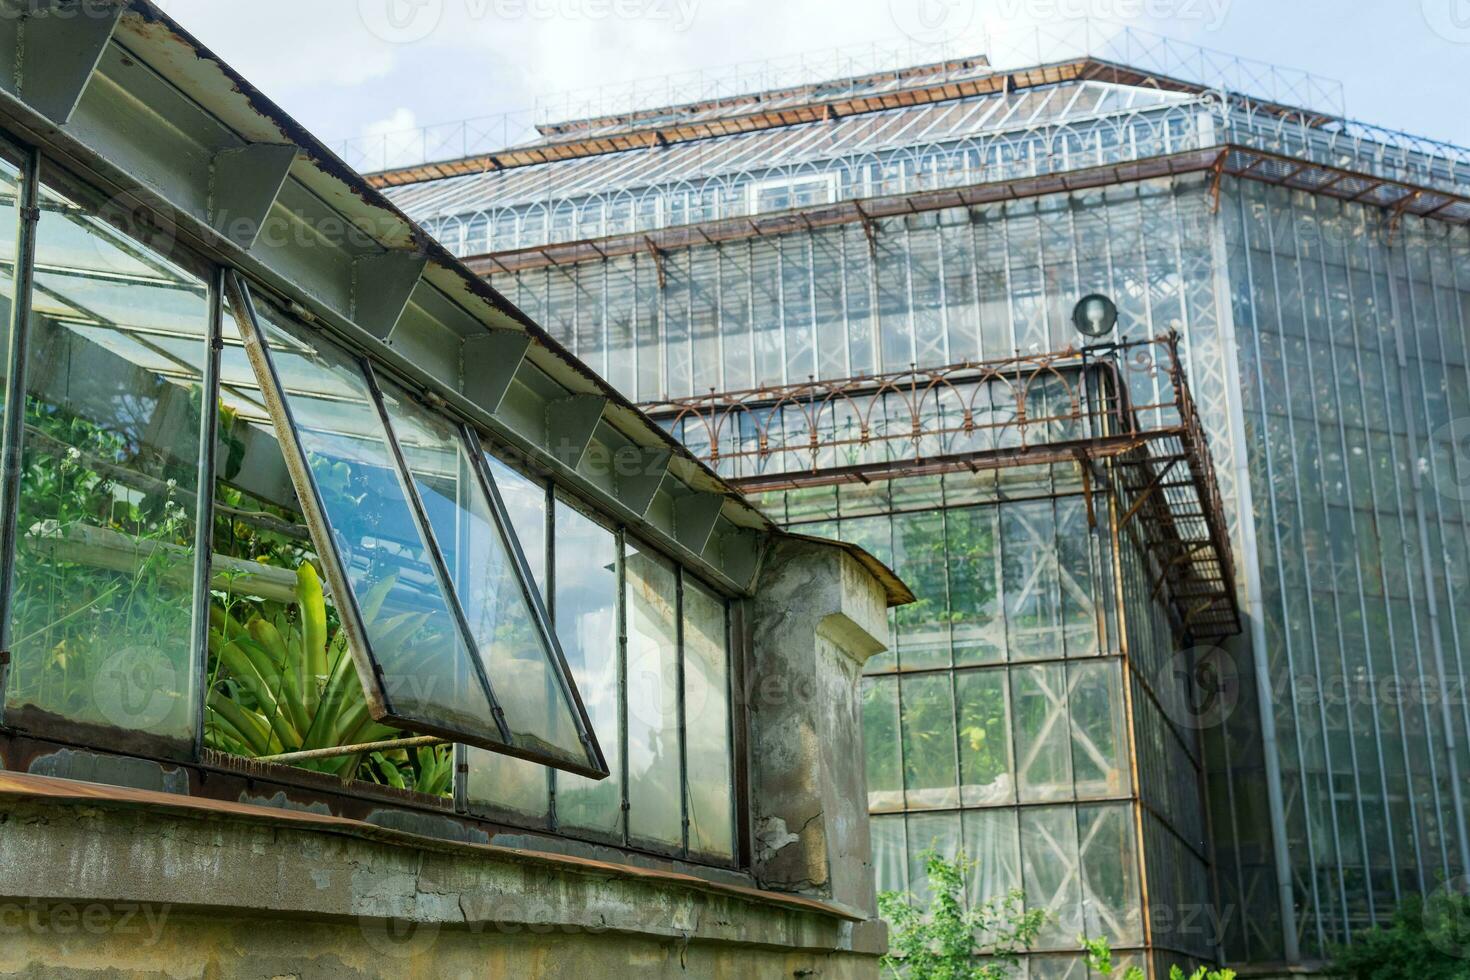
(1070, 407)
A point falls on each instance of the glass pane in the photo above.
(654, 812)
(929, 775)
(101, 633)
(1043, 762)
(890, 853)
(281, 677)
(1110, 874)
(938, 832)
(586, 613)
(502, 782)
(985, 737)
(427, 672)
(973, 537)
(1029, 566)
(1049, 864)
(518, 661)
(919, 556)
(880, 744)
(1099, 733)
(707, 708)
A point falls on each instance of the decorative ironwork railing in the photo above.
(1122, 412)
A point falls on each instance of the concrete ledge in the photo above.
(210, 863)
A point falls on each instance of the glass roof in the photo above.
(769, 149)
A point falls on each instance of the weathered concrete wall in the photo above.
(162, 886)
(818, 617)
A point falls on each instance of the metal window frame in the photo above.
(369, 671)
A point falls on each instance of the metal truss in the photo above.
(1123, 412)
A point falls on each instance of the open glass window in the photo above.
(445, 626)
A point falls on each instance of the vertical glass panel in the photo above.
(427, 669)
(993, 843)
(919, 556)
(1049, 864)
(518, 660)
(1029, 566)
(1110, 874)
(890, 853)
(586, 612)
(1099, 732)
(1075, 576)
(938, 832)
(707, 708)
(972, 537)
(651, 596)
(101, 636)
(502, 782)
(880, 744)
(1043, 759)
(929, 775)
(986, 774)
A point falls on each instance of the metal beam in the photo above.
(570, 425)
(695, 516)
(57, 48)
(381, 286)
(243, 186)
(488, 365)
(638, 472)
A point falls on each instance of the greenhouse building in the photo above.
(349, 624)
(1186, 657)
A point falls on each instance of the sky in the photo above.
(357, 69)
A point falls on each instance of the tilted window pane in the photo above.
(707, 706)
(518, 660)
(586, 613)
(502, 782)
(103, 602)
(929, 773)
(427, 672)
(651, 594)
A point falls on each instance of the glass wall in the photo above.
(101, 610)
(1353, 336)
(217, 605)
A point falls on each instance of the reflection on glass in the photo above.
(880, 742)
(101, 622)
(517, 659)
(929, 774)
(502, 782)
(586, 612)
(280, 675)
(651, 595)
(1043, 762)
(707, 705)
(426, 667)
(984, 737)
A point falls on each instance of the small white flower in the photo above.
(172, 484)
(73, 454)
